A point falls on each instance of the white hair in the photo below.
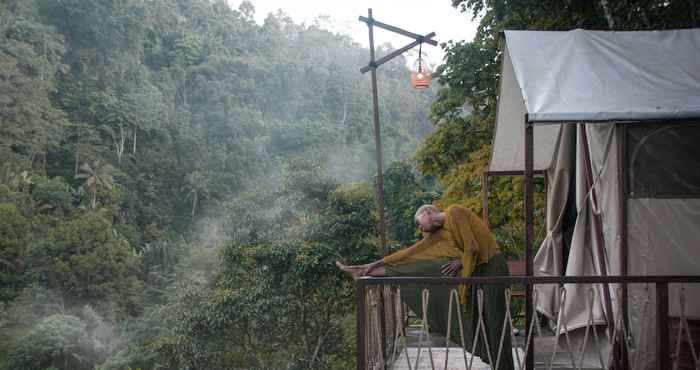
(425, 208)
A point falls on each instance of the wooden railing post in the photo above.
(663, 349)
(360, 325)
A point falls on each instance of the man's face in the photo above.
(425, 222)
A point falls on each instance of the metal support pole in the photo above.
(621, 134)
(529, 236)
(377, 138)
(360, 325)
(663, 348)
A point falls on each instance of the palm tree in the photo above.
(97, 177)
(197, 186)
(24, 181)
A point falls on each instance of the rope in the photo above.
(424, 329)
(535, 319)
(482, 326)
(594, 205)
(560, 320)
(684, 324)
(454, 297)
(641, 333)
(377, 331)
(590, 325)
(619, 323)
(508, 319)
(399, 336)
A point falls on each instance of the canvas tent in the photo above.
(616, 128)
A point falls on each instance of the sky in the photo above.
(418, 16)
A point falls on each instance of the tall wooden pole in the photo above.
(377, 137)
(380, 176)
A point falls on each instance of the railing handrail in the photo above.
(506, 280)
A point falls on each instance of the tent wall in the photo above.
(662, 235)
(507, 152)
(583, 256)
(662, 232)
(565, 84)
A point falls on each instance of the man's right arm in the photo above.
(403, 254)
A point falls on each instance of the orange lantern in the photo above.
(421, 72)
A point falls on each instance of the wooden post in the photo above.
(360, 325)
(663, 348)
(529, 236)
(485, 197)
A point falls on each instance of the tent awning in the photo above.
(588, 76)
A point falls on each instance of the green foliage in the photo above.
(52, 194)
(14, 229)
(405, 190)
(97, 178)
(88, 263)
(58, 342)
(449, 144)
(30, 58)
(291, 291)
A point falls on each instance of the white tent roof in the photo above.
(586, 76)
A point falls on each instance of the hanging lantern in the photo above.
(421, 71)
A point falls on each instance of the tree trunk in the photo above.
(194, 203)
(321, 339)
(119, 144)
(608, 14)
(77, 155)
(134, 139)
(93, 201)
(345, 110)
(693, 13)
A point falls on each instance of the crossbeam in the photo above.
(372, 21)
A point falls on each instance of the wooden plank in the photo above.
(372, 21)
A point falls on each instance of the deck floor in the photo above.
(456, 358)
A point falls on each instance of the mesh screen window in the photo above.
(662, 160)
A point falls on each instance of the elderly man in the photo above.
(455, 241)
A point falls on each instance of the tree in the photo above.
(197, 186)
(57, 341)
(14, 229)
(96, 178)
(30, 59)
(88, 262)
(405, 190)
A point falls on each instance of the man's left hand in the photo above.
(451, 268)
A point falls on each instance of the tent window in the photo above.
(662, 160)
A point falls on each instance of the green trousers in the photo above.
(494, 309)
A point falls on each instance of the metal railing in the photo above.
(376, 351)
